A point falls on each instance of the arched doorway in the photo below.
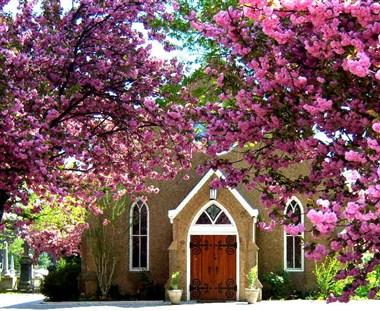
(213, 255)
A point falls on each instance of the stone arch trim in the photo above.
(245, 224)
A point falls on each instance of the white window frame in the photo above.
(302, 235)
(131, 235)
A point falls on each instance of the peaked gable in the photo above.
(253, 212)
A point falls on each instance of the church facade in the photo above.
(209, 236)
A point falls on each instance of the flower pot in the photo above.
(251, 295)
(175, 296)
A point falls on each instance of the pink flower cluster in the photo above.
(360, 66)
(324, 222)
(57, 243)
(319, 106)
(376, 127)
(318, 253)
(294, 229)
(354, 156)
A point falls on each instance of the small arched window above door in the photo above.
(213, 215)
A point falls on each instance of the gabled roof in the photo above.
(174, 212)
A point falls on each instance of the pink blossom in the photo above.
(376, 126)
(319, 106)
(220, 81)
(294, 229)
(267, 226)
(335, 246)
(377, 75)
(352, 175)
(359, 66)
(176, 6)
(352, 209)
(354, 156)
(374, 191)
(324, 222)
(318, 253)
(323, 203)
(222, 18)
(105, 222)
(216, 183)
(301, 81)
(51, 115)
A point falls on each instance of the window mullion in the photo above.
(140, 251)
(139, 221)
(294, 252)
(139, 237)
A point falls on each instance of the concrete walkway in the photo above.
(25, 302)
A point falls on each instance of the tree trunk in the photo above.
(3, 199)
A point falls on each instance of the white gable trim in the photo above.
(174, 212)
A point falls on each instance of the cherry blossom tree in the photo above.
(299, 84)
(83, 103)
(56, 228)
(102, 235)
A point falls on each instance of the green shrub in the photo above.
(61, 284)
(174, 280)
(325, 278)
(277, 285)
(324, 273)
(373, 280)
(252, 277)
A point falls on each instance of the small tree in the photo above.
(102, 234)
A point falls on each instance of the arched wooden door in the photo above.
(213, 267)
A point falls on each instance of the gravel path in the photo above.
(25, 302)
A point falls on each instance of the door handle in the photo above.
(216, 269)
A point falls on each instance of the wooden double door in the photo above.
(213, 267)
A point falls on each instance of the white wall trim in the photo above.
(302, 269)
(173, 213)
(212, 230)
(131, 240)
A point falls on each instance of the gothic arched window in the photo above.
(293, 244)
(139, 236)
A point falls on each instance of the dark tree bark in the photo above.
(3, 199)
